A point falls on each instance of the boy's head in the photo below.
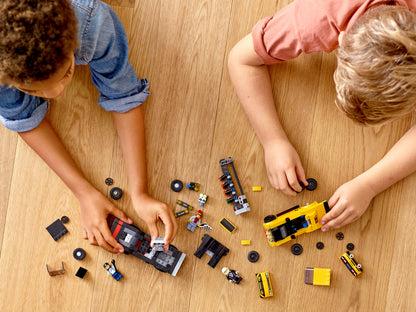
(376, 74)
(37, 41)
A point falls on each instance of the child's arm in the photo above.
(351, 199)
(131, 132)
(94, 206)
(251, 81)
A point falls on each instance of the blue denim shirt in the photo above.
(103, 46)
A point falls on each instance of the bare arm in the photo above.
(131, 131)
(94, 207)
(251, 81)
(351, 199)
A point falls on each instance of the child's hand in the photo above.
(284, 168)
(347, 204)
(150, 211)
(94, 210)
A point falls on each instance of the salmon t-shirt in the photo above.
(310, 26)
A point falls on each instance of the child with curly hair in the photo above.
(375, 82)
(40, 43)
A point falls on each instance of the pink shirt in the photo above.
(310, 26)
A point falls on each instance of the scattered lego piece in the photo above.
(187, 209)
(265, 285)
(205, 226)
(297, 249)
(202, 199)
(193, 186)
(109, 181)
(212, 248)
(339, 236)
(348, 259)
(245, 242)
(137, 243)
(227, 225)
(116, 193)
(81, 272)
(158, 244)
(256, 188)
(79, 253)
(112, 270)
(317, 276)
(56, 272)
(240, 202)
(64, 219)
(232, 275)
(350, 246)
(57, 229)
(289, 224)
(194, 221)
(253, 256)
(176, 185)
(320, 245)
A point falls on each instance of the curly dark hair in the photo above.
(36, 38)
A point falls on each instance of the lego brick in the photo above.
(57, 229)
(317, 276)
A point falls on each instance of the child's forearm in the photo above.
(251, 82)
(44, 141)
(397, 164)
(131, 132)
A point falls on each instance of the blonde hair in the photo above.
(36, 38)
(376, 74)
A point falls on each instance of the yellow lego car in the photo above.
(348, 259)
(289, 224)
(264, 284)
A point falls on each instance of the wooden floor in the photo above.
(193, 119)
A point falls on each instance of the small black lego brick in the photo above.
(57, 229)
(81, 272)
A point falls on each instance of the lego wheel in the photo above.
(312, 184)
(253, 256)
(350, 246)
(176, 185)
(297, 249)
(320, 245)
(269, 218)
(109, 181)
(79, 253)
(339, 236)
(116, 193)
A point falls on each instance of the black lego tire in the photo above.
(116, 193)
(320, 245)
(350, 246)
(109, 181)
(253, 256)
(176, 185)
(79, 253)
(312, 184)
(339, 236)
(297, 249)
(269, 218)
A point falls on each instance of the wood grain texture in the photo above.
(193, 119)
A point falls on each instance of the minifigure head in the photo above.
(199, 213)
(376, 74)
(225, 270)
(37, 43)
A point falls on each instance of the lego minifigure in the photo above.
(232, 275)
(202, 199)
(194, 221)
(112, 270)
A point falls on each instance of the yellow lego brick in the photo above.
(256, 188)
(317, 276)
(245, 242)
